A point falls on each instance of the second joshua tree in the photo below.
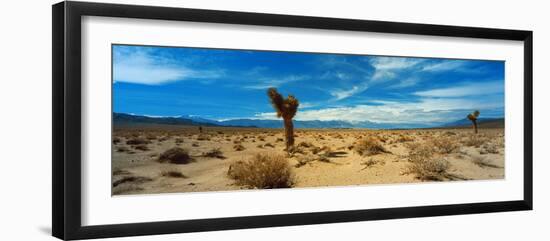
(473, 117)
(286, 108)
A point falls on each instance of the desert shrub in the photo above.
(122, 149)
(179, 140)
(175, 155)
(371, 162)
(305, 159)
(449, 133)
(214, 152)
(296, 150)
(262, 171)
(123, 189)
(269, 145)
(474, 140)
(315, 149)
(418, 152)
(324, 157)
(430, 169)
(425, 165)
(116, 140)
(305, 144)
(151, 137)
(489, 148)
(404, 138)
(132, 179)
(117, 172)
(195, 144)
(445, 145)
(279, 140)
(370, 146)
(137, 141)
(383, 138)
(238, 147)
(172, 173)
(202, 137)
(141, 147)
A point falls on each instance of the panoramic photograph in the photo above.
(189, 119)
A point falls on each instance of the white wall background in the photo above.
(25, 121)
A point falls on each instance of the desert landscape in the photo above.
(189, 119)
(165, 158)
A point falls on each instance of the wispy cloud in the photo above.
(387, 67)
(455, 65)
(469, 89)
(406, 82)
(265, 83)
(427, 110)
(141, 67)
(340, 94)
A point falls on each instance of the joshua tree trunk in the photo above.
(473, 118)
(289, 134)
(286, 108)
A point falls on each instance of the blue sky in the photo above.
(229, 84)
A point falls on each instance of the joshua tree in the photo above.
(286, 108)
(473, 117)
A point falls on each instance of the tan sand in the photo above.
(142, 173)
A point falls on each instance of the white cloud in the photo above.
(427, 110)
(386, 67)
(407, 82)
(139, 67)
(454, 65)
(342, 94)
(470, 89)
(265, 83)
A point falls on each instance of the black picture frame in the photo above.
(66, 75)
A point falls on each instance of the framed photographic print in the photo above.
(169, 120)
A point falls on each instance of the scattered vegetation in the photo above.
(122, 149)
(371, 162)
(214, 152)
(132, 179)
(141, 147)
(425, 165)
(489, 148)
(475, 141)
(118, 172)
(123, 189)
(137, 141)
(445, 145)
(175, 155)
(370, 146)
(172, 173)
(262, 171)
(238, 147)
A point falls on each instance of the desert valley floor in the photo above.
(322, 157)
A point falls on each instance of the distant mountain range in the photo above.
(128, 119)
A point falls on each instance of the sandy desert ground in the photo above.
(322, 157)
